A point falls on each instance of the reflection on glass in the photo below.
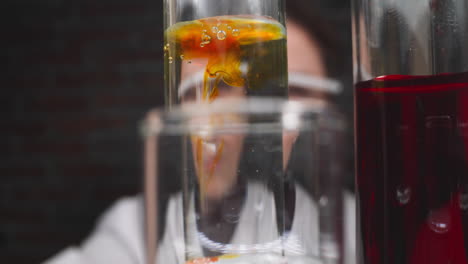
(250, 176)
(411, 94)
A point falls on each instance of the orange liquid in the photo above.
(226, 43)
(209, 260)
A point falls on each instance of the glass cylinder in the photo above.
(212, 45)
(411, 103)
(250, 181)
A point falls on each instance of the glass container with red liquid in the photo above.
(411, 116)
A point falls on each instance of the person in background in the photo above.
(119, 236)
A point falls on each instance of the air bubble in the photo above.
(170, 59)
(182, 56)
(229, 28)
(235, 32)
(205, 39)
(403, 195)
(439, 220)
(214, 30)
(221, 35)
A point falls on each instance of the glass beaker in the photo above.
(244, 181)
(411, 102)
(214, 45)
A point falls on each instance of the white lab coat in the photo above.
(119, 239)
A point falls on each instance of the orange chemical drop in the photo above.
(220, 40)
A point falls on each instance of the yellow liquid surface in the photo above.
(227, 42)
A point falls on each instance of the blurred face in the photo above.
(216, 156)
(305, 66)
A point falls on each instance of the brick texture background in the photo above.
(79, 76)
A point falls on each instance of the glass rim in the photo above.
(265, 113)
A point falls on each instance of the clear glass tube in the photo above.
(411, 103)
(424, 37)
(244, 181)
(214, 45)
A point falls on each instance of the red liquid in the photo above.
(412, 170)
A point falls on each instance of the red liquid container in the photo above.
(412, 170)
(411, 131)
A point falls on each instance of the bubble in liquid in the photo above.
(182, 56)
(235, 32)
(463, 201)
(229, 28)
(170, 59)
(214, 30)
(403, 195)
(221, 35)
(205, 39)
(439, 220)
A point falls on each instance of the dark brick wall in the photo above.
(79, 76)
